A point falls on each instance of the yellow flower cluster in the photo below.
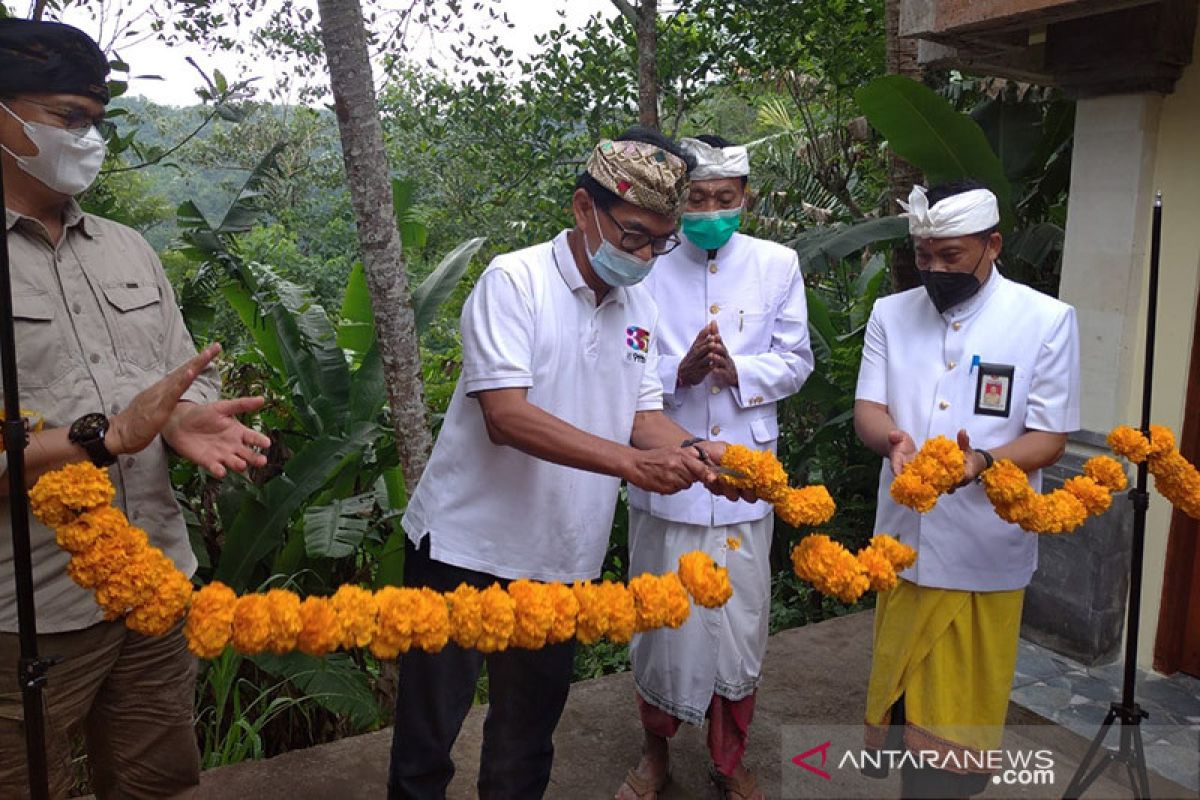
(132, 578)
(936, 469)
(707, 583)
(659, 601)
(761, 472)
(835, 571)
(1175, 477)
(1060, 511)
(60, 496)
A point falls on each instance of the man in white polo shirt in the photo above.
(558, 401)
(994, 364)
(733, 342)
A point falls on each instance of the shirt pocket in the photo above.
(749, 331)
(764, 430)
(136, 314)
(42, 356)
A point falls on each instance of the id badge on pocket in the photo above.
(993, 389)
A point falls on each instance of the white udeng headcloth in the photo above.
(716, 162)
(970, 212)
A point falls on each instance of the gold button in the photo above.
(957, 326)
(716, 429)
(715, 390)
(951, 365)
(943, 405)
(712, 268)
(714, 308)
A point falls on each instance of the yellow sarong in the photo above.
(952, 654)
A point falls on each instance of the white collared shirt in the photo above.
(754, 290)
(532, 322)
(925, 367)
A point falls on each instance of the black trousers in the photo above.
(527, 690)
(927, 783)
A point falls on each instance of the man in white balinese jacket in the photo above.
(733, 341)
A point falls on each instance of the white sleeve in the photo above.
(497, 327)
(650, 393)
(872, 373)
(783, 369)
(1053, 402)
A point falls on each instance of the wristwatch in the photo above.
(987, 463)
(88, 432)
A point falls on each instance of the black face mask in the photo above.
(948, 289)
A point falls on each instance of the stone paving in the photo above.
(1078, 698)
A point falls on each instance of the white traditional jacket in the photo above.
(754, 290)
(1001, 363)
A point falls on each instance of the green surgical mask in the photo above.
(710, 230)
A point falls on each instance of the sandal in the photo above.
(729, 788)
(643, 787)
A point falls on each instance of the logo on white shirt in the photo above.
(637, 339)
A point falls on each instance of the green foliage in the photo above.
(1018, 145)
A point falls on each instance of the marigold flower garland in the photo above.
(833, 570)
(1175, 477)
(1060, 511)
(760, 471)
(936, 469)
(134, 579)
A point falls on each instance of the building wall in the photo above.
(1177, 174)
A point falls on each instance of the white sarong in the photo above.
(719, 650)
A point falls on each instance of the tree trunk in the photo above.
(645, 24)
(901, 60)
(345, 39)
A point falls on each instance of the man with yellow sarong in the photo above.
(994, 364)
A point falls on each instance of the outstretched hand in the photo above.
(212, 437)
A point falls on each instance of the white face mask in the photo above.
(65, 162)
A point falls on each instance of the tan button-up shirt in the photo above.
(96, 322)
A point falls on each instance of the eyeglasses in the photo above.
(76, 120)
(632, 241)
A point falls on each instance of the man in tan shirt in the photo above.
(99, 343)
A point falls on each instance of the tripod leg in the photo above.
(1082, 777)
(1141, 786)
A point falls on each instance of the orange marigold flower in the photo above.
(761, 468)
(320, 628)
(410, 617)
(900, 555)
(810, 505)
(210, 620)
(592, 620)
(498, 617)
(109, 554)
(909, 489)
(1129, 443)
(533, 614)
(829, 567)
(659, 600)
(285, 621)
(1107, 472)
(707, 583)
(566, 610)
(132, 584)
(878, 568)
(466, 615)
(59, 496)
(82, 532)
(1162, 440)
(251, 624)
(1095, 498)
(356, 611)
(169, 597)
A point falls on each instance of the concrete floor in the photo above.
(814, 676)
